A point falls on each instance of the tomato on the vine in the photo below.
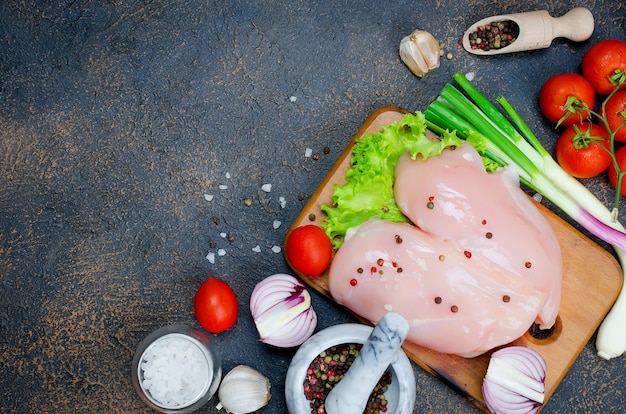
(308, 250)
(579, 150)
(215, 305)
(603, 61)
(566, 98)
(620, 157)
(615, 113)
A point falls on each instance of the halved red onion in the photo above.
(282, 311)
(515, 381)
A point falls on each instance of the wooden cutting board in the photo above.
(592, 279)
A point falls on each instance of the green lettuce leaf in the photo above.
(368, 191)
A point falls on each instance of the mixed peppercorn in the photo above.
(329, 367)
(495, 35)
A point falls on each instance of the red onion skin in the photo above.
(283, 291)
(501, 400)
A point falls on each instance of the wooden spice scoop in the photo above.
(537, 29)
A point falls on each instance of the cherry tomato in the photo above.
(615, 112)
(215, 305)
(620, 157)
(555, 99)
(580, 152)
(308, 250)
(601, 61)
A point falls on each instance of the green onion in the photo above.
(512, 143)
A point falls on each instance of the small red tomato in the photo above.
(603, 61)
(582, 150)
(566, 98)
(308, 250)
(620, 157)
(215, 305)
(615, 112)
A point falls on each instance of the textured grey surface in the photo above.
(116, 117)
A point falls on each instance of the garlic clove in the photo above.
(243, 390)
(420, 51)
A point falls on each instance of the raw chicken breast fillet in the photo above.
(479, 266)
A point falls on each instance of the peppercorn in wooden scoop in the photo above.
(380, 350)
(518, 32)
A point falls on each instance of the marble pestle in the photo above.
(380, 350)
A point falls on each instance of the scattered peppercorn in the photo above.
(400, 270)
(506, 298)
(528, 265)
(327, 150)
(494, 35)
(442, 257)
(380, 262)
(489, 235)
(398, 239)
(311, 217)
(230, 238)
(454, 309)
(329, 367)
(438, 300)
(315, 156)
(359, 270)
(247, 201)
(484, 222)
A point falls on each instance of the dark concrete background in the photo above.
(116, 117)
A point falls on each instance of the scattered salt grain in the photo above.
(256, 249)
(227, 175)
(266, 187)
(208, 197)
(221, 252)
(211, 257)
(276, 224)
(293, 98)
(282, 202)
(308, 152)
(222, 187)
(223, 235)
(276, 249)
(174, 371)
(469, 76)
(538, 197)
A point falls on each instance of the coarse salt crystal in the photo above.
(282, 202)
(308, 152)
(256, 249)
(293, 98)
(470, 76)
(276, 249)
(211, 257)
(266, 187)
(221, 252)
(227, 175)
(538, 197)
(276, 224)
(223, 187)
(223, 235)
(208, 197)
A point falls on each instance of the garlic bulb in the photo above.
(420, 52)
(243, 390)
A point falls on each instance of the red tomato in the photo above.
(308, 250)
(555, 94)
(615, 112)
(579, 154)
(620, 157)
(601, 61)
(215, 305)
